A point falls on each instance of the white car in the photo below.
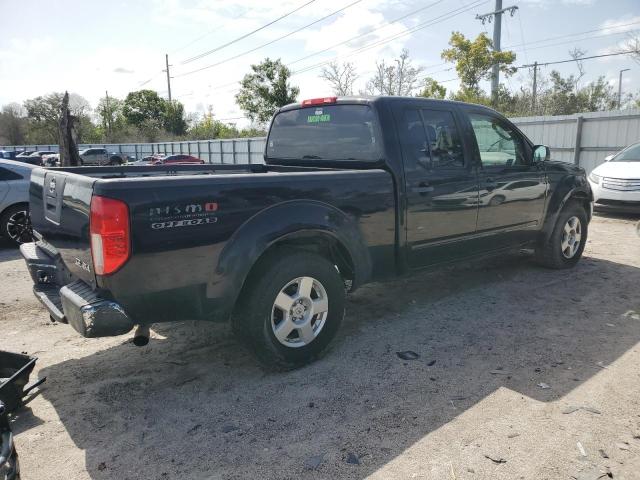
(616, 183)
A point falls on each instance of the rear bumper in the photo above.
(74, 303)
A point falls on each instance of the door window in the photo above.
(430, 139)
(498, 144)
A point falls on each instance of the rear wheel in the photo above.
(568, 239)
(292, 308)
(15, 224)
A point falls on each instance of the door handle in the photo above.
(422, 189)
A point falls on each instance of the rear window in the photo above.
(334, 132)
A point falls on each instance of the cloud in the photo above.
(122, 70)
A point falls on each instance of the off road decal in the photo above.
(183, 223)
(319, 118)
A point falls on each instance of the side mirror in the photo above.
(541, 153)
(609, 157)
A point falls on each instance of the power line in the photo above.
(439, 19)
(216, 29)
(575, 35)
(627, 52)
(242, 37)
(385, 40)
(384, 25)
(270, 42)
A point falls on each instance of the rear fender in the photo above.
(274, 225)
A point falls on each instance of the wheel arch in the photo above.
(573, 192)
(290, 226)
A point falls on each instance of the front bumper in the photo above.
(615, 200)
(74, 302)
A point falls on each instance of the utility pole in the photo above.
(497, 33)
(107, 113)
(620, 87)
(166, 58)
(534, 90)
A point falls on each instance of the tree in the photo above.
(474, 60)
(398, 79)
(577, 54)
(340, 77)
(13, 124)
(144, 107)
(174, 121)
(43, 115)
(266, 89)
(433, 89)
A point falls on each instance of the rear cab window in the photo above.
(339, 132)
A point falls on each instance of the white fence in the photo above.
(584, 139)
(235, 150)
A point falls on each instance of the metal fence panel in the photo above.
(584, 138)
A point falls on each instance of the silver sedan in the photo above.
(15, 224)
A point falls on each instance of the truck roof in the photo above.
(378, 99)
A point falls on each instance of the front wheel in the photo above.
(292, 308)
(564, 247)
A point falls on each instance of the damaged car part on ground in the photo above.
(352, 191)
(14, 393)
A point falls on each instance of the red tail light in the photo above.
(110, 238)
(319, 101)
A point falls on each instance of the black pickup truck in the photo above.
(353, 190)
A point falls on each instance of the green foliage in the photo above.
(43, 114)
(174, 121)
(143, 106)
(265, 90)
(433, 89)
(13, 125)
(474, 60)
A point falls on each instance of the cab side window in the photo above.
(430, 139)
(498, 144)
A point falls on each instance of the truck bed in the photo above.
(190, 225)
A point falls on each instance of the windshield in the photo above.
(630, 154)
(334, 132)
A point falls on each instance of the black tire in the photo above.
(257, 315)
(115, 160)
(15, 224)
(550, 254)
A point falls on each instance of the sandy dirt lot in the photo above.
(195, 405)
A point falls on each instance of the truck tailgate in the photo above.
(60, 205)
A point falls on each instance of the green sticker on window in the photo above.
(319, 118)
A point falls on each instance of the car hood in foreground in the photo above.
(625, 170)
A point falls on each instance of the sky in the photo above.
(90, 46)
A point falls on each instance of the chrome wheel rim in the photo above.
(299, 312)
(571, 237)
(19, 227)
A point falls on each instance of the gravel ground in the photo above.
(195, 405)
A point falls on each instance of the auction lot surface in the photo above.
(195, 405)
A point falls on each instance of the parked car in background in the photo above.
(24, 153)
(7, 155)
(51, 160)
(178, 159)
(36, 157)
(100, 156)
(616, 183)
(15, 224)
